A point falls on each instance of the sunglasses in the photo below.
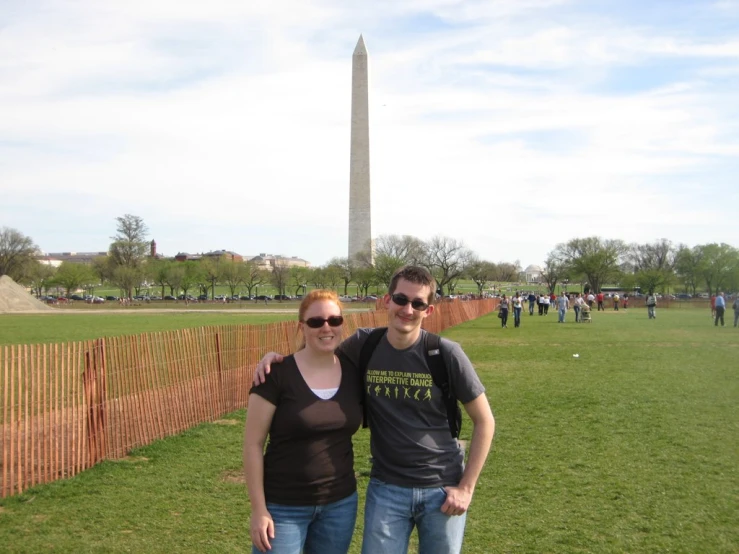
(417, 304)
(317, 322)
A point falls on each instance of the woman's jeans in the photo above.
(517, 317)
(576, 309)
(323, 529)
(391, 512)
(504, 319)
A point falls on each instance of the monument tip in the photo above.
(360, 49)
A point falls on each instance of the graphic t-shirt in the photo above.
(309, 458)
(410, 443)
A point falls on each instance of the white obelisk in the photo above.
(360, 212)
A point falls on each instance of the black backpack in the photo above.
(437, 367)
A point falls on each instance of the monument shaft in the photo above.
(360, 213)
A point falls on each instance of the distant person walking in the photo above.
(577, 306)
(532, 301)
(547, 301)
(517, 302)
(599, 297)
(503, 309)
(720, 309)
(616, 300)
(651, 302)
(563, 303)
(540, 302)
(625, 302)
(590, 300)
(735, 305)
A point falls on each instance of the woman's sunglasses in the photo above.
(402, 300)
(317, 322)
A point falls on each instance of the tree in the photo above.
(40, 277)
(687, 266)
(554, 271)
(159, 272)
(385, 266)
(317, 277)
(365, 277)
(17, 253)
(299, 278)
(253, 276)
(408, 249)
(130, 245)
(508, 272)
(595, 259)
(211, 271)
(447, 259)
(174, 276)
(333, 276)
(126, 278)
(481, 273)
(73, 276)
(652, 265)
(717, 265)
(232, 273)
(345, 268)
(280, 277)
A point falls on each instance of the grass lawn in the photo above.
(630, 447)
(56, 327)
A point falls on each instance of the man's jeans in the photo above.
(650, 311)
(391, 512)
(313, 529)
(736, 317)
(562, 312)
(531, 307)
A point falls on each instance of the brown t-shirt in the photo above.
(309, 458)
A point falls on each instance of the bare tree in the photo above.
(299, 278)
(409, 249)
(17, 253)
(447, 259)
(253, 276)
(280, 277)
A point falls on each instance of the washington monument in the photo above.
(360, 212)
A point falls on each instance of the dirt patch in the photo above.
(226, 422)
(15, 299)
(132, 459)
(233, 476)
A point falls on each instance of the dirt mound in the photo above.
(14, 298)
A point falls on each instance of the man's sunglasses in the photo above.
(317, 322)
(402, 300)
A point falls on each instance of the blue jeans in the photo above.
(517, 316)
(391, 512)
(651, 313)
(576, 308)
(323, 529)
(562, 313)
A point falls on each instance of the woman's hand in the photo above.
(262, 530)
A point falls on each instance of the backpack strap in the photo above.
(365, 354)
(440, 375)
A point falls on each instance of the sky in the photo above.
(511, 125)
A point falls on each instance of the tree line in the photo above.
(590, 262)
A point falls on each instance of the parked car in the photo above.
(98, 300)
(246, 297)
(282, 297)
(77, 297)
(112, 298)
(203, 297)
(264, 297)
(169, 297)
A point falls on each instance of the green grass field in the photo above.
(630, 447)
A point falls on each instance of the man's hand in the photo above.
(264, 366)
(457, 501)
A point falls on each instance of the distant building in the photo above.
(56, 259)
(532, 274)
(269, 261)
(231, 256)
(185, 257)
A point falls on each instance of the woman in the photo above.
(503, 312)
(303, 490)
(517, 302)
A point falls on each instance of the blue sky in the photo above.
(512, 125)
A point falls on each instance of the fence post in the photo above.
(219, 367)
(95, 390)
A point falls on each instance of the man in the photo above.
(651, 302)
(418, 476)
(563, 303)
(735, 305)
(599, 297)
(532, 300)
(720, 309)
(616, 300)
(591, 300)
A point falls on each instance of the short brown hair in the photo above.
(414, 274)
